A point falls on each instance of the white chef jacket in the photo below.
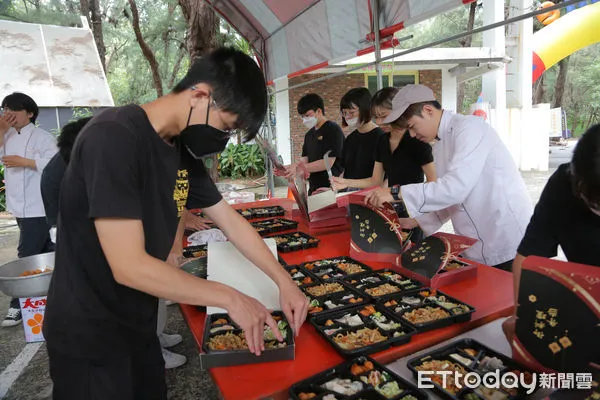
(23, 193)
(479, 188)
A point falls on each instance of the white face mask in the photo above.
(309, 122)
(352, 123)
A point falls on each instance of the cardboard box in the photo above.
(558, 316)
(33, 309)
(431, 260)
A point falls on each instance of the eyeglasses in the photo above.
(351, 113)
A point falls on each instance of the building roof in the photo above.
(57, 66)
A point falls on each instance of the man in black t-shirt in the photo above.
(117, 224)
(323, 135)
(567, 214)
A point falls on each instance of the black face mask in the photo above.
(202, 140)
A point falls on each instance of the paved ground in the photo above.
(185, 383)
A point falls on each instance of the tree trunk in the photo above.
(466, 42)
(91, 10)
(177, 66)
(559, 87)
(201, 38)
(538, 92)
(146, 50)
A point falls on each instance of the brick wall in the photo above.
(433, 79)
(332, 90)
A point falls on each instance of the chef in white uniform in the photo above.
(25, 150)
(479, 186)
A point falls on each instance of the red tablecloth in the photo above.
(491, 293)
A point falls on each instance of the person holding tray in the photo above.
(117, 224)
(567, 214)
(323, 135)
(478, 187)
(358, 154)
(398, 156)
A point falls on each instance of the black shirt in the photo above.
(50, 185)
(198, 178)
(561, 218)
(316, 143)
(405, 165)
(119, 168)
(358, 155)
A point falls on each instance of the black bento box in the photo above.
(402, 304)
(375, 380)
(211, 357)
(195, 251)
(343, 297)
(468, 355)
(261, 212)
(267, 226)
(382, 283)
(336, 268)
(366, 321)
(301, 276)
(295, 241)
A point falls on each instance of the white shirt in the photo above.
(23, 193)
(479, 188)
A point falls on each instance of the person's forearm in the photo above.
(362, 183)
(317, 166)
(516, 270)
(150, 275)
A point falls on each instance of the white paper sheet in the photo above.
(228, 266)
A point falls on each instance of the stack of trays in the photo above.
(267, 226)
(224, 343)
(382, 283)
(327, 296)
(428, 309)
(361, 378)
(468, 355)
(336, 268)
(363, 329)
(288, 242)
(261, 212)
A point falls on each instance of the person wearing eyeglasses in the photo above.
(119, 204)
(358, 153)
(323, 135)
(25, 150)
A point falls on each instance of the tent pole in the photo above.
(377, 44)
(269, 136)
(438, 42)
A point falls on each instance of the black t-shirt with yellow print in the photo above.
(120, 169)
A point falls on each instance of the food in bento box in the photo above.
(383, 322)
(489, 364)
(471, 352)
(222, 328)
(228, 341)
(358, 369)
(36, 271)
(350, 268)
(463, 360)
(425, 314)
(361, 338)
(389, 390)
(351, 320)
(329, 397)
(307, 396)
(443, 365)
(453, 265)
(346, 387)
(408, 397)
(382, 290)
(411, 300)
(491, 394)
(220, 321)
(326, 288)
(471, 396)
(368, 310)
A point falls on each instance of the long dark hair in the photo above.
(585, 167)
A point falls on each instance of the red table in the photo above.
(491, 293)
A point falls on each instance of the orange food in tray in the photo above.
(35, 272)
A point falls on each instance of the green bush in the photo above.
(241, 160)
